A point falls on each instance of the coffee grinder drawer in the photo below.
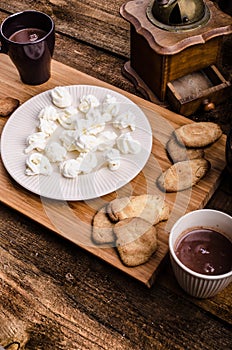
(201, 89)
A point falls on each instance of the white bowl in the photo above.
(196, 284)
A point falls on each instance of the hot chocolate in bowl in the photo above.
(200, 244)
(205, 251)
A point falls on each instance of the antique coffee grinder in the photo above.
(175, 49)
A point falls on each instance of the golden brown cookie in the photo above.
(178, 152)
(151, 208)
(102, 228)
(116, 206)
(198, 134)
(8, 105)
(183, 175)
(136, 241)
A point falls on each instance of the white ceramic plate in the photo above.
(23, 122)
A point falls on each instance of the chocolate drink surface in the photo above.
(27, 35)
(205, 251)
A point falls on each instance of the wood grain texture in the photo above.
(75, 224)
(61, 298)
(36, 264)
(102, 64)
(108, 30)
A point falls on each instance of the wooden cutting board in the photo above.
(72, 220)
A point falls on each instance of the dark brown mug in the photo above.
(28, 37)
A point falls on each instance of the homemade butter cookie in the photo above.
(178, 152)
(8, 105)
(151, 208)
(102, 228)
(183, 175)
(198, 134)
(136, 240)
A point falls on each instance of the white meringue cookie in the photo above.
(96, 126)
(88, 161)
(110, 106)
(67, 118)
(47, 126)
(68, 121)
(61, 97)
(48, 113)
(37, 164)
(70, 168)
(88, 102)
(36, 141)
(82, 127)
(55, 152)
(125, 120)
(68, 140)
(106, 140)
(93, 114)
(113, 159)
(126, 144)
(86, 143)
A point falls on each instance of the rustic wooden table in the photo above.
(55, 295)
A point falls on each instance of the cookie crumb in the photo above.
(8, 105)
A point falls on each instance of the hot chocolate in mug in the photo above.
(28, 37)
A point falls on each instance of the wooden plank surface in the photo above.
(49, 213)
(55, 295)
(77, 49)
(97, 23)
